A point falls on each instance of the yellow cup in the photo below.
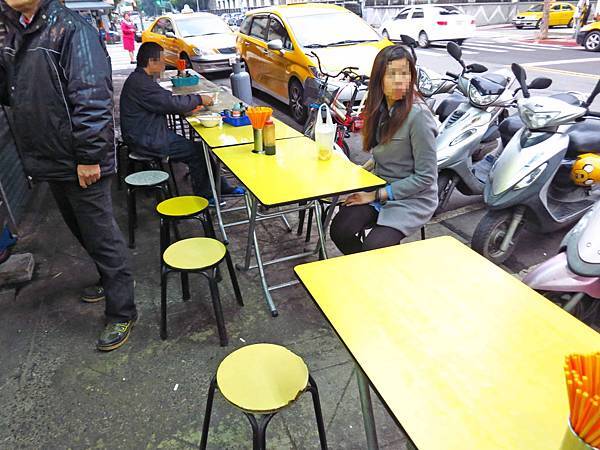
(571, 441)
(324, 152)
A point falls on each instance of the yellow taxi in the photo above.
(203, 40)
(589, 37)
(560, 14)
(275, 44)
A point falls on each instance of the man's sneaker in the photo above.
(114, 335)
(237, 191)
(211, 202)
(92, 294)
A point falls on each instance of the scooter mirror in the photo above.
(477, 68)
(593, 95)
(407, 40)
(455, 51)
(540, 83)
(521, 76)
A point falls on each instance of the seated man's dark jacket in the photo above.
(56, 78)
(144, 108)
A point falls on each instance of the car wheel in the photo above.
(570, 24)
(296, 102)
(519, 27)
(386, 35)
(423, 40)
(538, 25)
(592, 41)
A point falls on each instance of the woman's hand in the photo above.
(360, 198)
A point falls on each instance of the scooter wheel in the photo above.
(489, 234)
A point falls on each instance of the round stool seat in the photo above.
(183, 206)
(147, 178)
(262, 378)
(194, 253)
(139, 157)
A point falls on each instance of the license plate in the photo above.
(232, 60)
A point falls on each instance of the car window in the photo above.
(536, 8)
(245, 28)
(556, 8)
(316, 30)
(418, 13)
(168, 25)
(567, 7)
(159, 27)
(259, 27)
(202, 26)
(446, 11)
(403, 14)
(278, 31)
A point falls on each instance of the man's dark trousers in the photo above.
(89, 215)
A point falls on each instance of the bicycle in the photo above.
(346, 115)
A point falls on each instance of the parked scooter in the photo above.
(572, 277)
(471, 131)
(529, 185)
(431, 84)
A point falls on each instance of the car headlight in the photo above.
(531, 177)
(480, 100)
(466, 135)
(537, 119)
(203, 51)
(425, 85)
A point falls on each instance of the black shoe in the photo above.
(93, 294)
(114, 335)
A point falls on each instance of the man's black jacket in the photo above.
(143, 109)
(56, 77)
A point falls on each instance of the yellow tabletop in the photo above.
(295, 173)
(227, 135)
(465, 355)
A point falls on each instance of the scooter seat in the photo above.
(567, 98)
(509, 127)
(496, 78)
(584, 137)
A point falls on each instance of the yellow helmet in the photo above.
(586, 169)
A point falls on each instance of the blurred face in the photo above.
(156, 66)
(126, 17)
(27, 7)
(396, 82)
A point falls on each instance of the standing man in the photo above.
(55, 76)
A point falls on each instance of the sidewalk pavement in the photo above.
(57, 391)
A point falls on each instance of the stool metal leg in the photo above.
(234, 281)
(301, 217)
(163, 302)
(314, 391)
(309, 224)
(423, 233)
(131, 216)
(185, 286)
(172, 170)
(214, 293)
(259, 430)
(208, 412)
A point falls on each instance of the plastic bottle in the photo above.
(236, 111)
(269, 137)
(324, 134)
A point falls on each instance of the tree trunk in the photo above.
(545, 21)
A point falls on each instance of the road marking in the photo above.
(427, 52)
(484, 49)
(536, 47)
(561, 61)
(496, 46)
(563, 72)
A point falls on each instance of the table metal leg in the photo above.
(329, 215)
(215, 194)
(367, 409)
(252, 206)
(317, 207)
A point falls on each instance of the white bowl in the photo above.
(210, 121)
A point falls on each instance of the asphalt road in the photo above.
(571, 68)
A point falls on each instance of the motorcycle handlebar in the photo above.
(452, 75)
(593, 114)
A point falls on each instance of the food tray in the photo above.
(185, 81)
(236, 121)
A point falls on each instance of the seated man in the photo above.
(144, 106)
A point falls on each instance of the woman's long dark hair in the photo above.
(376, 97)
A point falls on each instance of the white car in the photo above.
(428, 23)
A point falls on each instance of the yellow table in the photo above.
(227, 135)
(293, 175)
(464, 355)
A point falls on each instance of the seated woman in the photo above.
(400, 133)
